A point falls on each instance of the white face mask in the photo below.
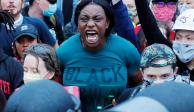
(182, 8)
(30, 77)
(185, 52)
(160, 81)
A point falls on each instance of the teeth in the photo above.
(90, 32)
(92, 38)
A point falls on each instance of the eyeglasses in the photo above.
(163, 4)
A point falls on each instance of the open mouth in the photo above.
(91, 37)
(24, 50)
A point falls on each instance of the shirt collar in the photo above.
(19, 21)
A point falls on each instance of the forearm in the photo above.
(136, 79)
(149, 24)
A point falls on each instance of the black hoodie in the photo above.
(11, 74)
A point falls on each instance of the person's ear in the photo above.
(175, 70)
(107, 23)
(13, 48)
(23, 5)
(141, 70)
(50, 75)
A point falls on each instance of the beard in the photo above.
(14, 14)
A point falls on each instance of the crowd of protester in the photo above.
(96, 55)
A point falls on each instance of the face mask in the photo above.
(164, 15)
(185, 52)
(133, 16)
(131, 12)
(159, 81)
(30, 77)
(51, 10)
(182, 8)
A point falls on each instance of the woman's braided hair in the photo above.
(7, 19)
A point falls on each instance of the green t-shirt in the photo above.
(101, 75)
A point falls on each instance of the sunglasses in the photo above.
(163, 4)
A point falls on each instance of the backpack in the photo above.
(58, 28)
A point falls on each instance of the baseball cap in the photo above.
(156, 52)
(26, 29)
(41, 96)
(185, 21)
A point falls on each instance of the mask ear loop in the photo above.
(176, 70)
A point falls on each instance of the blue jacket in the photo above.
(11, 74)
(7, 38)
(123, 24)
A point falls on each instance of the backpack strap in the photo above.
(53, 20)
